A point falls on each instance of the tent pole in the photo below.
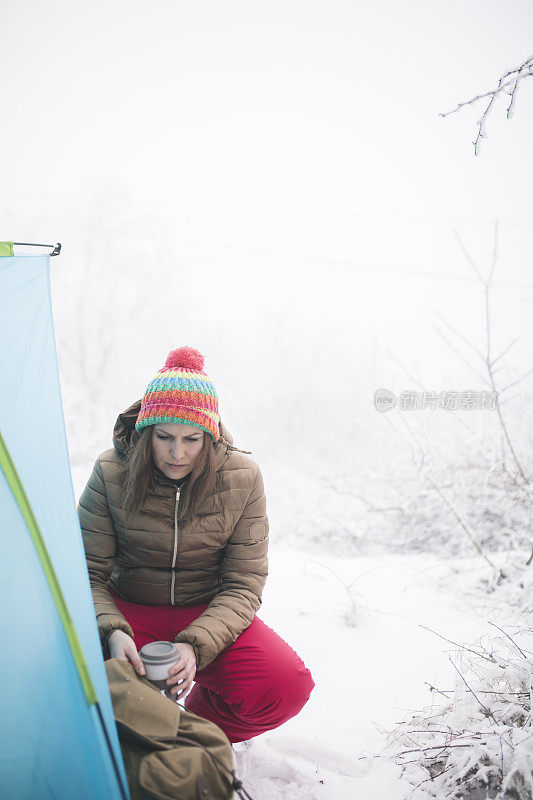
(124, 792)
(55, 252)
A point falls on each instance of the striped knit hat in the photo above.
(181, 392)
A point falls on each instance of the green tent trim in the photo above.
(15, 484)
(6, 249)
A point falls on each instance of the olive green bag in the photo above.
(169, 753)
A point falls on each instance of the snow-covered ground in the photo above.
(370, 660)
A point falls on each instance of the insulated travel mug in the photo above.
(157, 658)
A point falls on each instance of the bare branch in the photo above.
(509, 637)
(459, 519)
(503, 353)
(460, 335)
(487, 358)
(494, 253)
(461, 646)
(515, 383)
(488, 712)
(461, 356)
(469, 257)
(508, 82)
(510, 107)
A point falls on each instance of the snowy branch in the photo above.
(507, 83)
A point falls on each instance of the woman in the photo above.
(175, 534)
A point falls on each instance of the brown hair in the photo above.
(139, 478)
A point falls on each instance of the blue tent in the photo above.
(58, 737)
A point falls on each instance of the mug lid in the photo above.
(159, 653)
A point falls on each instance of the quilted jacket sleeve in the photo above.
(99, 541)
(243, 573)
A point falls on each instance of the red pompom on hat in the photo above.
(181, 392)
(185, 357)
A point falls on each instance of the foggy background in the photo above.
(272, 184)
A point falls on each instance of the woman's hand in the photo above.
(122, 646)
(184, 670)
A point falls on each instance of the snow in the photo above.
(368, 675)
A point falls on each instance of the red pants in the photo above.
(256, 684)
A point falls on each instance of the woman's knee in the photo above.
(290, 679)
(282, 692)
(299, 686)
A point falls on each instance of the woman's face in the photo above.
(175, 448)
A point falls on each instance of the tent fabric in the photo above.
(17, 489)
(53, 743)
(6, 249)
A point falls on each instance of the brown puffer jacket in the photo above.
(219, 557)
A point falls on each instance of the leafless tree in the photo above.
(463, 479)
(488, 360)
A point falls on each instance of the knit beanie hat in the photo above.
(181, 392)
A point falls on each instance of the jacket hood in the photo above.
(125, 425)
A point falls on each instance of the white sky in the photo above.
(288, 156)
(301, 104)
